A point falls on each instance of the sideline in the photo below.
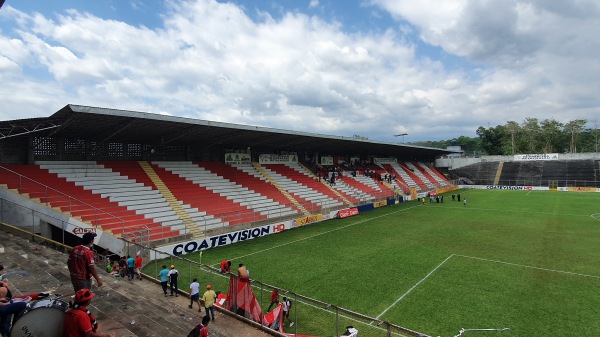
(413, 287)
(319, 234)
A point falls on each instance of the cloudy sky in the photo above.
(432, 69)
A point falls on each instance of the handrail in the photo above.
(60, 193)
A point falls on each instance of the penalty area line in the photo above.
(526, 266)
(413, 287)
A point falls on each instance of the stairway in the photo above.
(170, 198)
(281, 189)
(122, 308)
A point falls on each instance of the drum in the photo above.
(41, 319)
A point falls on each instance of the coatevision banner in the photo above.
(277, 158)
(537, 156)
(225, 239)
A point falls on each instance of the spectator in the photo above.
(243, 273)
(82, 265)
(209, 298)
(130, 267)
(195, 294)
(138, 266)
(274, 299)
(78, 320)
(173, 276)
(350, 331)
(8, 309)
(225, 266)
(287, 305)
(164, 278)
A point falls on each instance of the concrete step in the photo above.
(122, 308)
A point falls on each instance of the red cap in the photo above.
(83, 295)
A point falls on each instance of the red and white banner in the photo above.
(344, 213)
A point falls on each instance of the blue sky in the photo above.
(375, 68)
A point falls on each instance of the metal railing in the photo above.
(310, 315)
(54, 198)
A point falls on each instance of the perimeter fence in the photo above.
(310, 316)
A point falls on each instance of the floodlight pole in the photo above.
(401, 135)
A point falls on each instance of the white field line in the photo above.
(312, 236)
(504, 210)
(413, 287)
(526, 266)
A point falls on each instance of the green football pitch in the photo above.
(524, 260)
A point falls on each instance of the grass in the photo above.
(526, 260)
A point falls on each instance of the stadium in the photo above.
(355, 232)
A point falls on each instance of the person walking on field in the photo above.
(465, 201)
(173, 275)
(164, 278)
(82, 266)
(209, 298)
(195, 294)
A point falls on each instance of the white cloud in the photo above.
(299, 72)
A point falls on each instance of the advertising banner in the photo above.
(237, 158)
(344, 213)
(536, 156)
(307, 219)
(277, 158)
(326, 160)
(378, 161)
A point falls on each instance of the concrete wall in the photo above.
(453, 163)
(32, 216)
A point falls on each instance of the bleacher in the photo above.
(482, 173)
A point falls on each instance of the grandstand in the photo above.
(176, 185)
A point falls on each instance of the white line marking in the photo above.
(319, 234)
(413, 287)
(526, 266)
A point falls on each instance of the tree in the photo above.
(574, 127)
(531, 129)
(513, 128)
(552, 135)
(492, 139)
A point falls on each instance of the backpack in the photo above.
(195, 331)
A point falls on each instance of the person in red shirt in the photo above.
(138, 266)
(82, 265)
(78, 320)
(225, 266)
(274, 299)
(204, 327)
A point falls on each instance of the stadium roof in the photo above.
(111, 125)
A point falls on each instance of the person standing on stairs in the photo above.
(82, 266)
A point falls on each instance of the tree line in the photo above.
(529, 136)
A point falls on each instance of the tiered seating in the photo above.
(368, 186)
(312, 194)
(404, 177)
(482, 173)
(79, 202)
(251, 191)
(203, 195)
(423, 175)
(145, 200)
(437, 175)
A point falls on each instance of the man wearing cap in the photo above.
(209, 298)
(78, 320)
(82, 265)
(173, 275)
